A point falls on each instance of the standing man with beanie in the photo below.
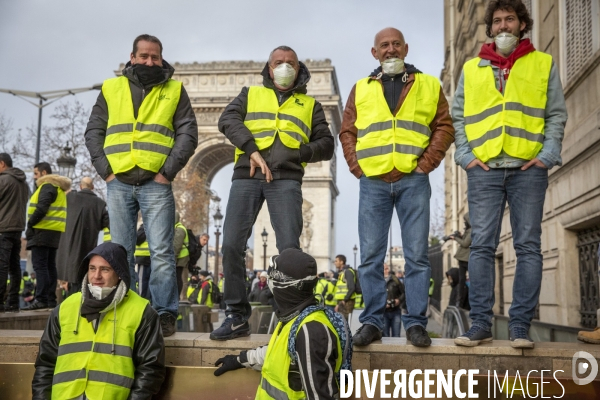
(13, 205)
(311, 344)
(47, 215)
(509, 113)
(103, 342)
(396, 130)
(141, 133)
(276, 129)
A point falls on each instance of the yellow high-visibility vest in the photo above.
(341, 287)
(146, 141)
(265, 118)
(86, 362)
(275, 370)
(513, 123)
(385, 141)
(142, 250)
(323, 285)
(184, 252)
(107, 237)
(56, 217)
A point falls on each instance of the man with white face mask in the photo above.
(105, 341)
(396, 130)
(509, 113)
(276, 129)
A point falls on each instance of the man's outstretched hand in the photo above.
(227, 363)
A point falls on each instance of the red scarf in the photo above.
(488, 52)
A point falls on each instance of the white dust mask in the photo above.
(506, 42)
(99, 292)
(284, 75)
(392, 66)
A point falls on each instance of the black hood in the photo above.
(409, 68)
(15, 173)
(453, 273)
(129, 72)
(299, 84)
(114, 254)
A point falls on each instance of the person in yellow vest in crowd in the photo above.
(395, 131)
(202, 292)
(141, 133)
(106, 235)
(311, 343)
(47, 215)
(104, 342)
(27, 290)
(345, 287)
(276, 129)
(142, 260)
(509, 113)
(181, 243)
(325, 291)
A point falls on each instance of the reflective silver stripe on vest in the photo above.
(272, 391)
(264, 134)
(68, 376)
(163, 130)
(295, 136)
(296, 121)
(51, 208)
(259, 115)
(414, 126)
(74, 348)
(59, 219)
(374, 127)
(117, 148)
(523, 134)
(142, 249)
(408, 149)
(530, 111)
(119, 128)
(494, 133)
(106, 348)
(119, 380)
(473, 119)
(155, 148)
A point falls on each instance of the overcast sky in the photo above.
(62, 44)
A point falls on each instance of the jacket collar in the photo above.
(129, 73)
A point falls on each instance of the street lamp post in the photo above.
(355, 249)
(214, 197)
(66, 163)
(265, 236)
(217, 218)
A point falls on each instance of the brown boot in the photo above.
(589, 337)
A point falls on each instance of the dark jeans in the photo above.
(284, 201)
(392, 322)
(461, 299)
(144, 272)
(44, 265)
(10, 262)
(179, 273)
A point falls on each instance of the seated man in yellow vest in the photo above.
(311, 344)
(141, 133)
(276, 129)
(509, 113)
(104, 342)
(396, 130)
(47, 220)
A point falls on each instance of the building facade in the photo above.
(569, 30)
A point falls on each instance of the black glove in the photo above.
(228, 363)
(329, 297)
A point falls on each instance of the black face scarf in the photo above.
(291, 302)
(91, 307)
(149, 75)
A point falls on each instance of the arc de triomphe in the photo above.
(211, 86)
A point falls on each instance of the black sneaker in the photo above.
(37, 306)
(366, 335)
(473, 337)
(234, 326)
(519, 338)
(418, 336)
(51, 306)
(11, 309)
(167, 324)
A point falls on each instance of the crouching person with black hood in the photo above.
(104, 342)
(307, 362)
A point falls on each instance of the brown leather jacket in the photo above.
(442, 135)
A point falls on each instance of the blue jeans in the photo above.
(246, 197)
(392, 321)
(410, 197)
(488, 192)
(157, 205)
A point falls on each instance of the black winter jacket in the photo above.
(284, 163)
(184, 123)
(395, 290)
(14, 193)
